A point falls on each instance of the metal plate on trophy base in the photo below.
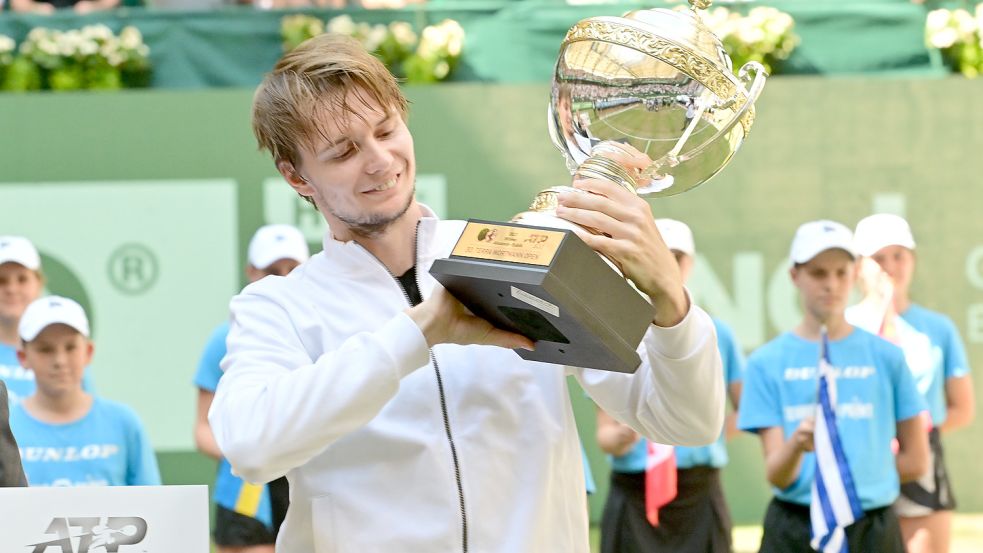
(549, 286)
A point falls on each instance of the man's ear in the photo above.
(294, 179)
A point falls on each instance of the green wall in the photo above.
(100, 180)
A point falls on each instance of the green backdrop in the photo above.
(505, 40)
(143, 202)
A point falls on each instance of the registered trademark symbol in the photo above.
(133, 268)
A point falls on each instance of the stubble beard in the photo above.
(373, 226)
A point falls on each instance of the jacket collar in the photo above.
(350, 256)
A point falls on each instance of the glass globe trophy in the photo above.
(656, 82)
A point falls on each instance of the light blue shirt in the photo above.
(713, 455)
(228, 487)
(935, 353)
(20, 381)
(106, 447)
(875, 390)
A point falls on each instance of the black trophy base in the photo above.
(578, 310)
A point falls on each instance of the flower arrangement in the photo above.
(428, 57)
(958, 34)
(7, 46)
(92, 57)
(764, 35)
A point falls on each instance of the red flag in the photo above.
(660, 479)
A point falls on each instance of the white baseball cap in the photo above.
(677, 235)
(815, 237)
(50, 310)
(272, 243)
(16, 249)
(882, 230)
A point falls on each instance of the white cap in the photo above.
(815, 237)
(16, 249)
(272, 243)
(50, 310)
(882, 230)
(677, 235)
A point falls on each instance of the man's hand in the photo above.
(629, 237)
(444, 320)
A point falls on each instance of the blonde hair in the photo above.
(320, 77)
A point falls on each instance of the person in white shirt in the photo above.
(403, 422)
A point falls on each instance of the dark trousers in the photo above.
(787, 529)
(697, 521)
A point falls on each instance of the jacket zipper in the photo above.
(440, 385)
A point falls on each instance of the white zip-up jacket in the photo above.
(390, 447)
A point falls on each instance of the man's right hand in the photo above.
(444, 320)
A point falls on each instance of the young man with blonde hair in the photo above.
(403, 422)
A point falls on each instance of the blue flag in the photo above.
(835, 504)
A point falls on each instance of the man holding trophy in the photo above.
(403, 421)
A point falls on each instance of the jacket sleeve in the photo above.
(676, 397)
(275, 407)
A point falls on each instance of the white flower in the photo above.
(48, 46)
(716, 19)
(453, 36)
(130, 37)
(937, 20)
(342, 25)
(374, 37)
(109, 47)
(749, 33)
(87, 47)
(315, 27)
(441, 70)
(403, 33)
(780, 24)
(943, 38)
(6, 44)
(965, 24)
(97, 32)
(37, 34)
(760, 15)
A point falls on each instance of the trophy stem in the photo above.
(700, 4)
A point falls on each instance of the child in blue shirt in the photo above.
(697, 520)
(68, 437)
(877, 401)
(247, 516)
(21, 282)
(937, 360)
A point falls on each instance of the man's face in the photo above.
(361, 175)
(58, 356)
(824, 283)
(899, 264)
(280, 267)
(19, 286)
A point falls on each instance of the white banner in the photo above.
(134, 519)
